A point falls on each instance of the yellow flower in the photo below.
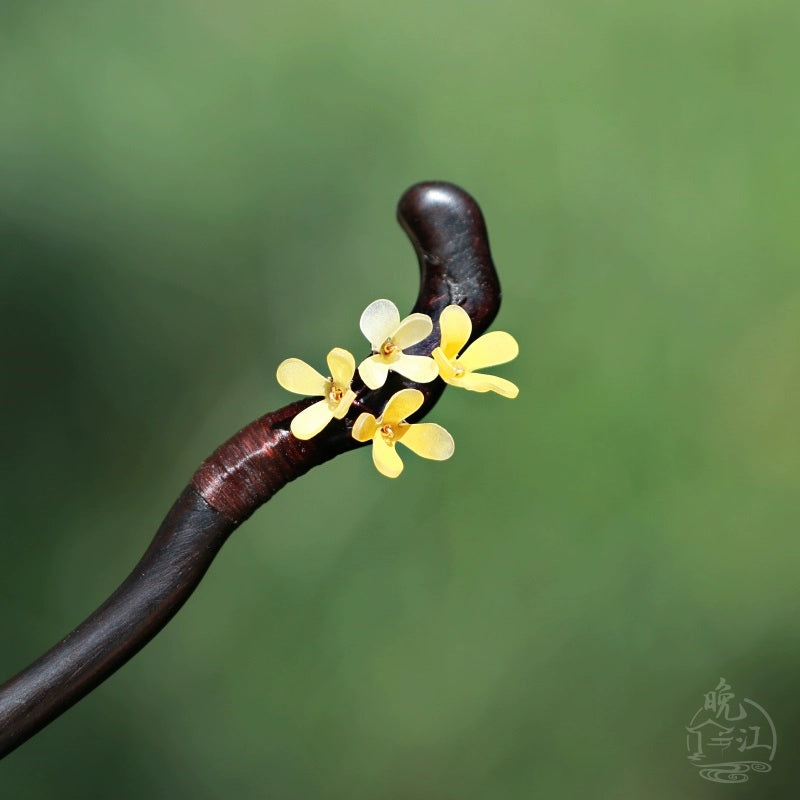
(488, 350)
(388, 336)
(298, 377)
(426, 439)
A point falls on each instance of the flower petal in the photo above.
(456, 328)
(478, 382)
(420, 369)
(342, 366)
(310, 421)
(385, 458)
(365, 427)
(414, 328)
(447, 371)
(298, 377)
(344, 404)
(429, 440)
(401, 404)
(379, 321)
(490, 350)
(373, 371)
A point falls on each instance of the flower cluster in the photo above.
(389, 336)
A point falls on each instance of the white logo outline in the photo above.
(718, 701)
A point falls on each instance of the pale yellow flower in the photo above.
(298, 377)
(488, 350)
(426, 439)
(388, 337)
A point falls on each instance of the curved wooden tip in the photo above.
(448, 232)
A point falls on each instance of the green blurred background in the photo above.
(191, 192)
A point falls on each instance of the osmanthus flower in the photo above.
(488, 350)
(426, 439)
(389, 336)
(298, 377)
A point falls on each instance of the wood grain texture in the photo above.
(448, 233)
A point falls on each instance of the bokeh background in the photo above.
(191, 192)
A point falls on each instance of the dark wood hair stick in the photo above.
(446, 227)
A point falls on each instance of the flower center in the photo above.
(393, 432)
(459, 371)
(388, 348)
(335, 393)
(388, 433)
